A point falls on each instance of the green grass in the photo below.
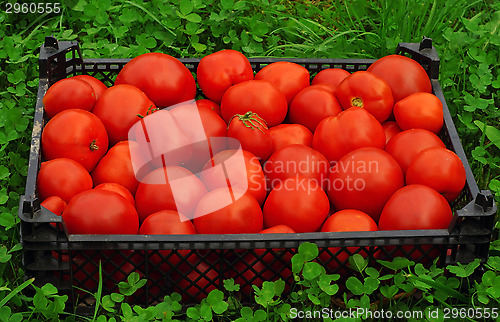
(466, 35)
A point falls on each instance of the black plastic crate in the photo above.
(69, 261)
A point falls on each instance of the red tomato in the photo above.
(312, 105)
(346, 220)
(289, 78)
(296, 159)
(224, 211)
(252, 179)
(366, 90)
(119, 189)
(68, 93)
(99, 212)
(205, 103)
(258, 96)
(403, 75)
(352, 129)
(75, 134)
(330, 76)
(96, 84)
(169, 188)
(298, 203)
(219, 71)
(419, 111)
(415, 207)
(163, 78)
(253, 134)
(405, 146)
(391, 128)
(440, 169)
(116, 166)
(278, 229)
(62, 177)
(55, 204)
(118, 109)
(364, 179)
(287, 134)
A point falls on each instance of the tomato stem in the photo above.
(251, 120)
(150, 110)
(357, 101)
(93, 146)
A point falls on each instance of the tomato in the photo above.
(366, 90)
(116, 166)
(290, 78)
(296, 159)
(55, 204)
(251, 177)
(96, 84)
(287, 134)
(98, 212)
(224, 211)
(257, 96)
(278, 229)
(163, 78)
(253, 134)
(206, 103)
(403, 75)
(364, 180)
(346, 220)
(269, 257)
(354, 128)
(415, 206)
(419, 111)
(119, 189)
(391, 128)
(440, 169)
(118, 109)
(297, 202)
(62, 177)
(312, 105)
(68, 93)
(405, 146)
(330, 76)
(169, 188)
(75, 134)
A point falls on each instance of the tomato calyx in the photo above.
(357, 101)
(251, 120)
(150, 110)
(93, 145)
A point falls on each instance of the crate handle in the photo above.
(424, 53)
(51, 42)
(484, 199)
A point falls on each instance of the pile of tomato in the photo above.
(332, 151)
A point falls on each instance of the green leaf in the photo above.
(206, 312)
(492, 133)
(370, 285)
(309, 251)
(389, 291)
(314, 299)
(397, 264)
(298, 261)
(494, 290)
(117, 297)
(192, 313)
(312, 270)
(355, 285)
(216, 300)
(49, 289)
(260, 315)
(193, 17)
(325, 281)
(230, 286)
(358, 262)
(227, 4)
(279, 287)
(186, 7)
(372, 272)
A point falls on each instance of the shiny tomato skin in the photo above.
(403, 75)
(155, 193)
(364, 180)
(96, 84)
(290, 78)
(99, 212)
(293, 160)
(252, 133)
(420, 111)
(55, 204)
(352, 129)
(206, 103)
(391, 128)
(297, 202)
(440, 169)
(119, 189)
(405, 146)
(330, 76)
(75, 134)
(219, 71)
(366, 90)
(240, 215)
(253, 179)
(415, 206)
(117, 166)
(118, 109)
(62, 177)
(287, 134)
(312, 105)
(164, 79)
(257, 96)
(68, 93)
(278, 229)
